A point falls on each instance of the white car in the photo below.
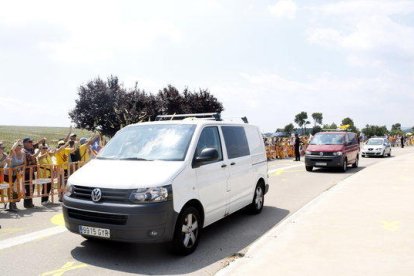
(376, 147)
(164, 181)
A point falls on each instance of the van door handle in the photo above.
(224, 165)
(232, 163)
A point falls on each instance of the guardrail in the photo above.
(40, 180)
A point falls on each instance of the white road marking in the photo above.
(285, 168)
(31, 237)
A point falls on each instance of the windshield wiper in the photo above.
(135, 158)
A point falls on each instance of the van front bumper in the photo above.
(141, 223)
(323, 161)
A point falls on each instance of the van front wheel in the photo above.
(258, 200)
(187, 231)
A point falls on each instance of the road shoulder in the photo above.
(362, 226)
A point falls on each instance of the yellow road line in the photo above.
(65, 268)
(391, 225)
(58, 220)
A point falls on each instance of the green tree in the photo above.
(350, 122)
(373, 130)
(97, 104)
(317, 118)
(301, 119)
(316, 129)
(289, 129)
(107, 106)
(396, 129)
(330, 126)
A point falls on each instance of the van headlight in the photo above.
(149, 195)
(308, 152)
(68, 190)
(338, 153)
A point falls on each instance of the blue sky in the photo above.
(267, 60)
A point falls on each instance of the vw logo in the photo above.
(96, 195)
(321, 153)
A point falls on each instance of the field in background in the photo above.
(9, 134)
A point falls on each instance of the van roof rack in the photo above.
(205, 116)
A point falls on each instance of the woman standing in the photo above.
(16, 159)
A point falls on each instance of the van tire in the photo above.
(258, 199)
(355, 165)
(187, 231)
(309, 168)
(344, 165)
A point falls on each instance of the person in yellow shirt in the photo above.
(85, 148)
(62, 155)
(45, 172)
(62, 159)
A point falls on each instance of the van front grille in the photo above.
(108, 195)
(98, 217)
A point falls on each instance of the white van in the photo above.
(164, 181)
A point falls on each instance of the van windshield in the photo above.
(328, 139)
(150, 142)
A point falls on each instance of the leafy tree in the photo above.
(330, 126)
(373, 130)
(97, 104)
(316, 129)
(201, 102)
(301, 119)
(107, 106)
(317, 118)
(396, 129)
(350, 122)
(170, 100)
(396, 126)
(289, 129)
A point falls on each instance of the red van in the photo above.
(332, 149)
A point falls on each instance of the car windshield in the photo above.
(149, 142)
(328, 139)
(375, 142)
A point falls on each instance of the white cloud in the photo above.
(89, 31)
(365, 30)
(284, 9)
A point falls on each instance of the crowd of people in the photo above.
(38, 160)
(285, 147)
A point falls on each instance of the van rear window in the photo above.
(236, 141)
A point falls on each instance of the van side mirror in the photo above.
(205, 156)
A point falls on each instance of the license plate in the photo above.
(94, 231)
(321, 164)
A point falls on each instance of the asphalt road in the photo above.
(31, 243)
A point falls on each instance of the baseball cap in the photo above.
(82, 140)
(27, 139)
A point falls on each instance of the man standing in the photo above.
(297, 147)
(402, 141)
(31, 161)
